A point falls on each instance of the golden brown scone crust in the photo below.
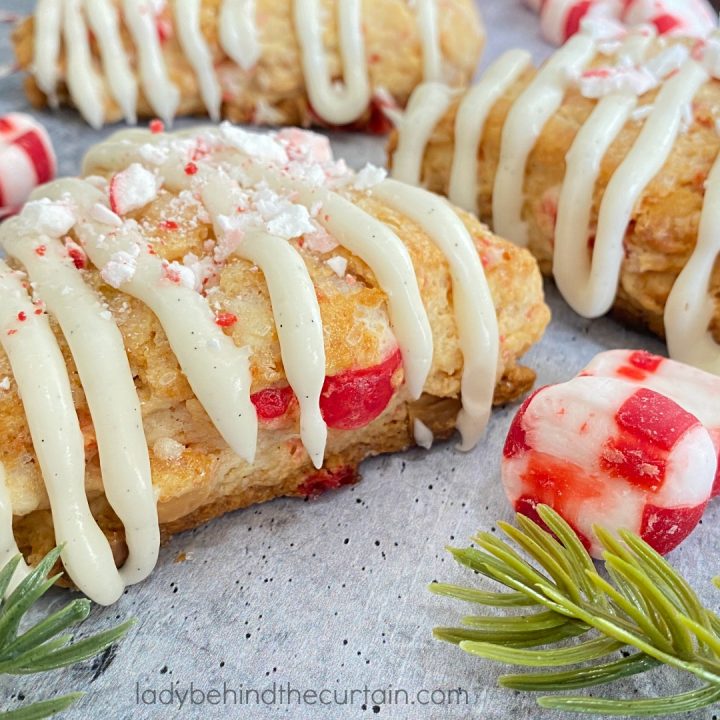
(208, 479)
(664, 228)
(273, 92)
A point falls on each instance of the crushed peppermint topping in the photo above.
(103, 214)
(5, 383)
(260, 147)
(369, 176)
(338, 265)
(76, 254)
(132, 189)
(121, 267)
(177, 273)
(157, 126)
(48, 217)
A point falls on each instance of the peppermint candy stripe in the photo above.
(561, 19)
(27, 159)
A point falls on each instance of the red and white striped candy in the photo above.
(695, 390)
(602, 451)
(27, 159)
(561, 19)
(692, 18)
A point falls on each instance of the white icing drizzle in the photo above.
(46, 48)
(470, 123)
(238, 37)
(572, 263)
(337, 105)
(82, 80)
(103, 20)
(473, 304)
(218, 372)
(8, 546)
(187, 14)
(640, 166)
(238, 32)
(97, 348)
(159, 91)
(386, 255)
(295, 308)
(523, 127)
(427, 105)
(690, 307)
(429, 27)
(44, 386)
(422, 434)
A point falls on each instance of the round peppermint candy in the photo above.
(27, 159)
(601, 451)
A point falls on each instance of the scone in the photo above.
(273, 62)
(604, 163)
(215, 318)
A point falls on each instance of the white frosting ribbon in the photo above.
(473, 304)
(238, 32)
(523, 127)
(187, 13)
(158, 90)
(690, 308)
(103, 20)
(99, 354)
(336, 105)
(44, 386)
(427, 105)
(470, 123)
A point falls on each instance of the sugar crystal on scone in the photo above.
(601, 451)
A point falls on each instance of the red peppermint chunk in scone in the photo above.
(695, 390)
(601, 451)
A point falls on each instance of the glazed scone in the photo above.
(615, 195)
(272, 62)
(267, 358)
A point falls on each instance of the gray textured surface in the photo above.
(331, 593)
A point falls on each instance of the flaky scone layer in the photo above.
(663, 232)
(200, 477)
(274, 92)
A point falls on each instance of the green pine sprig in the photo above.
(646, 610)
(45, 645)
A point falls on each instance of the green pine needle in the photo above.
(646, 607)
(45, 645)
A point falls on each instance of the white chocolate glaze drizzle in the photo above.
(690, 308)
(97, 348)
(83, 82)
(295, 309)
(523, 127)
(239, 37)
(474, 308)
(338, 106)
(46, 49)
(187, 13)
(44, 386)
(159, 91)
(102, 18)
(588, 278)
(238, 34)
(470, 124)
(642, 163)
(427, 105)
(428, 23)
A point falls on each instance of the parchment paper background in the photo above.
(332, 593)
